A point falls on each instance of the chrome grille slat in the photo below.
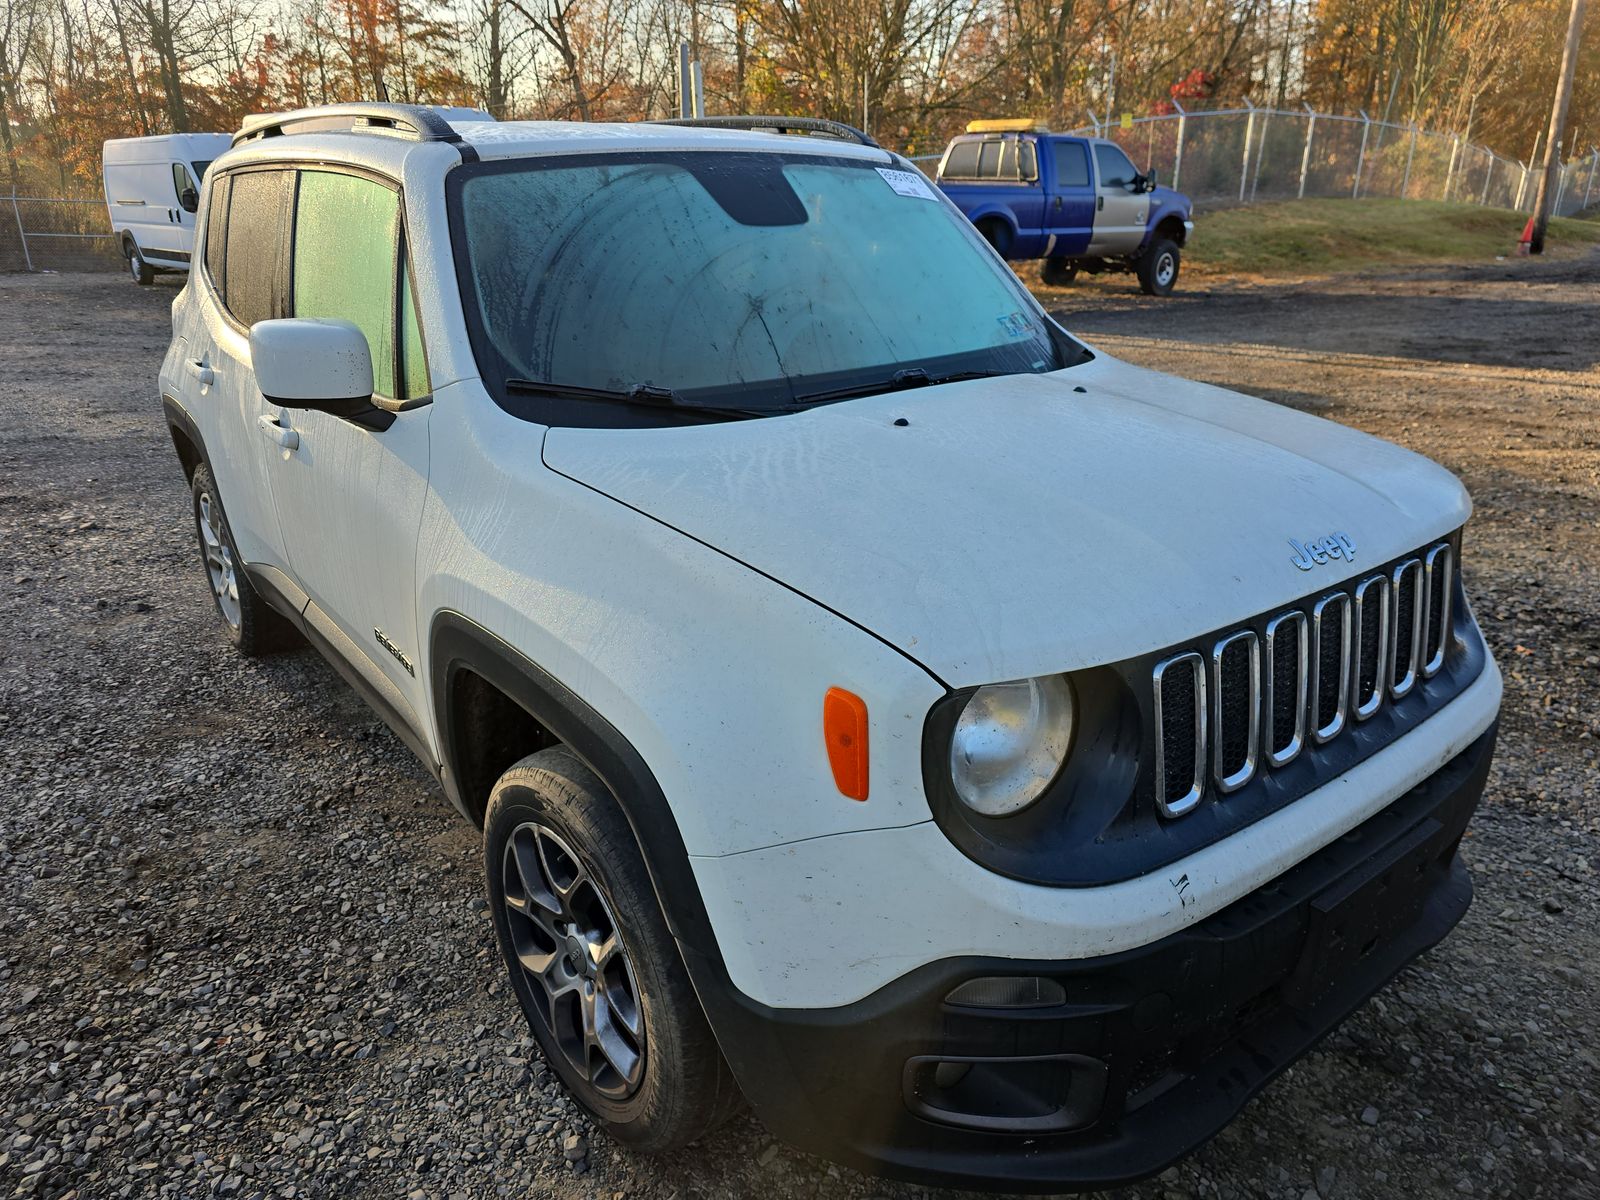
(1168, 803)
(1224, 687)
(1439, 572)
(1279, 649)
(1405, 627)
(1256, 702)
(1330, 620)
(1369, 614)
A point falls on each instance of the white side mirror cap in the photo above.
(312, 362)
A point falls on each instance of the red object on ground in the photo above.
(1527, 238)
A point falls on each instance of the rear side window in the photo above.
(257, 202)
(1072, 165)
(963, 161)
(347, 255)
(1115, 169)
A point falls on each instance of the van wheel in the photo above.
(143, 274)
(1158, 267)
(597, 974)
(253, 626)
(1057, 272)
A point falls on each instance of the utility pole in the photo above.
(1558, 118)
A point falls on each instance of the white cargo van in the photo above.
(152, 187)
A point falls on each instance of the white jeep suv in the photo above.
(991, 760)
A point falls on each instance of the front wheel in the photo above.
(592, 963)
(1057, 272)
(143, 273)
(1158, 267)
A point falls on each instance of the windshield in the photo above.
(757, 279)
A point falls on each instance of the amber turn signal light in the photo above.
(844, 728)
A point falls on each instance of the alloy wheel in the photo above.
(570, 952)
(220, 567)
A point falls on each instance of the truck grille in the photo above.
(1247, 703)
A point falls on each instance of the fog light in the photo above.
(1008, 991)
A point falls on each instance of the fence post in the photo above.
(1487, 176)
(1594, 161)
(1411, 149)
(1361, 159)
(1450, 171)
(1249, 136)
(27, 259)
(1177, 158)
(1305, 155)
(1261, 152)
(1561, 188)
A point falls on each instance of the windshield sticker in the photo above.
(1015, 324)
(907, 183)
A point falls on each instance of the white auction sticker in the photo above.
(907, 183)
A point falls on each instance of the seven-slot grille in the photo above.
(1251, 703)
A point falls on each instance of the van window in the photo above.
(181, 181)
(256, 205)
(1072, 165)
(347, 249)
(1115, 169)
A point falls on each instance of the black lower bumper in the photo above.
(1151, 1052)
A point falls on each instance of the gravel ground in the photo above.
(242, 945)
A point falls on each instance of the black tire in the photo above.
(143, 273)
(998, 234)
(1158, 267)
(1057, 272)
(550, 818)
(254, 627)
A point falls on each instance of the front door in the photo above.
(185, 185)
(350, 492)
(1120, 209)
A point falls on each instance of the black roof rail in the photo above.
(801, 125)
(413, 121)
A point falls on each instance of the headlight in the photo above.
(1009, 742)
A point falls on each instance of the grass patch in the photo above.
(1322, 235)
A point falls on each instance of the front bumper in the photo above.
(1154, 1049)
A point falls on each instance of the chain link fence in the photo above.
(54, 233)
(1233, 156)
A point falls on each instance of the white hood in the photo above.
(1016, 526)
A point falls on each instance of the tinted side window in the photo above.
(989, 161)
(347, 251)
(1115, 169)
(963, 161)
(256, 206)
(1072, 165)
(216, 229)
(1027, 161)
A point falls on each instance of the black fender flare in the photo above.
(181, 427)
(458, 644)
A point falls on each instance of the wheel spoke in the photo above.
(608, 1038)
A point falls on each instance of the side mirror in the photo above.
(189, 200)
(1150, 180)
(313, 362)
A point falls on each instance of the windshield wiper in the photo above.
(910, 377)
(645, 395)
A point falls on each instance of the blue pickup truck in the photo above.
(1077, 203)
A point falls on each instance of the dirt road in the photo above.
(242, 945)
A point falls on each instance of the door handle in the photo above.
(286, 439)
(1057, 204)
(203, 373)
(1099, 204)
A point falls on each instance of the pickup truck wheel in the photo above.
(1057, 272)
(1158, 267)
(143, 274)
(997, 234)
(592, 963)
(254, 627)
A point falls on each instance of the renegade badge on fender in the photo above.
(879, 706)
